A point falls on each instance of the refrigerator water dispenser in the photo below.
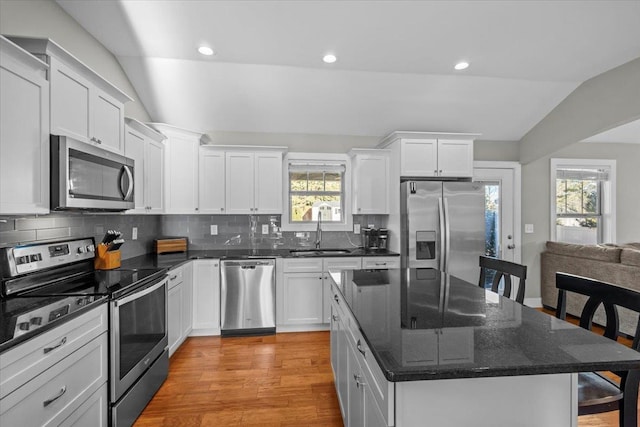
(425, 245)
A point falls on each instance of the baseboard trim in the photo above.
(303, 328)
(533, 302)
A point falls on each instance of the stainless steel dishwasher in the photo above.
(247, 298)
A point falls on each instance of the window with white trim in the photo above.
(316, 187)
(583, 201)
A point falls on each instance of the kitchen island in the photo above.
(417, 347)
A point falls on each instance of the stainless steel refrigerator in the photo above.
(443, 226)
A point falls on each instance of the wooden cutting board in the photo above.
(171, 244)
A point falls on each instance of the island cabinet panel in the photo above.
(366, 397)
(472, 401)
(206, 297)
(24, 132)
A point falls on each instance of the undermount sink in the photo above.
(318, 252)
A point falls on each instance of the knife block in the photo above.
(106, 260)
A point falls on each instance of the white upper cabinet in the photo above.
(419, 157)
(253, 181)
(239, 182)
(83, 105)
(180, 169)
(212, 179)
(427, 154)
(370, 181)
(144, 145)
(268, 183)
(24, 132)
(455, 158)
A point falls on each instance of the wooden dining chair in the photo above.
(596, 392)
(503, 269)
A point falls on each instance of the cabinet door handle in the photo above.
(49, 401)
(360, 349)
(357, 378)
(335, 318)
(435, 172)
(221, 209)
(335, 298)
(440, 171)
(62, 342)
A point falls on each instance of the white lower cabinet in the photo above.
(179, 306)
(68, 389)
(303, 298)
(206, 297)
(305, 293)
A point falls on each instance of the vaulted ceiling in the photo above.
(394, 69)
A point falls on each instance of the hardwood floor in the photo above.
(279, 380)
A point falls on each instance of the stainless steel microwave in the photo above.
(84, 177)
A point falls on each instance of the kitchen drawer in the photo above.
(175, 277)
(54, 395)
(380, 262)
(302, 265)
(93, 412)
(23, 362)
(344, 263)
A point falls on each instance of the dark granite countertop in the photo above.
(172, 260)
(421, 324)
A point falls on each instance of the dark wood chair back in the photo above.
(596, 392)
(504, 269)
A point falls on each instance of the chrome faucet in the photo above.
(319, 230)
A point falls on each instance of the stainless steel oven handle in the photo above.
(140, 294)
(130, 176)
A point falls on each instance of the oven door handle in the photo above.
(139, 294)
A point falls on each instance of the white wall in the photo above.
(44, 18)
(537, 203)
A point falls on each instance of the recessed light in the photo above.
(329, 59)
(205, 50)
(461, 65)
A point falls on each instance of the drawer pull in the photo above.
(173, 277)
(48, 402)
(62, 342)
(357, 378)
(360, 349)
(381, 263)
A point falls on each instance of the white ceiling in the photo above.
(394, 68)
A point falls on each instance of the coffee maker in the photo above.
(374, 239)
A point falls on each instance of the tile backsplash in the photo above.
(234, 231)
(56, 226)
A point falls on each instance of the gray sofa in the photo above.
(617, 264)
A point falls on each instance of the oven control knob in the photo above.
(82, 250)
(23, 326)
(37, 321)
(81, 301)
(91, 248)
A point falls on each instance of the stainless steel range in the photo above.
(45, 283)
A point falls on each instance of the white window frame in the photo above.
(347, 223)
(608, 202)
